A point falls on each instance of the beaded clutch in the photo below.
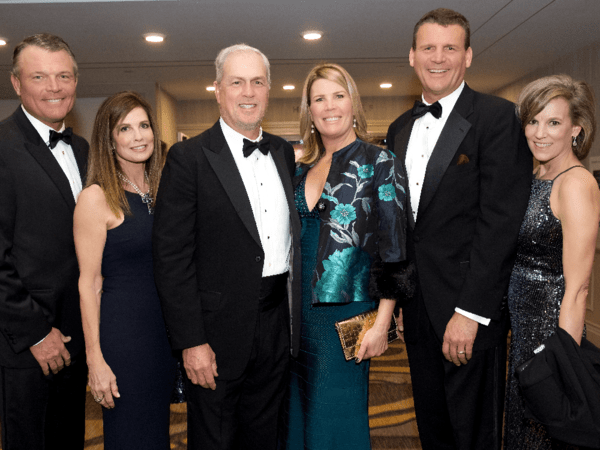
(353, 329)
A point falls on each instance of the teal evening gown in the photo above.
(327, 394)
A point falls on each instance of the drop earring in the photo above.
(354, 126)
(312, 128)
(574, 141)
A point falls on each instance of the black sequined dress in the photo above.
(535, 293)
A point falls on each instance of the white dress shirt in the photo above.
(267, 199)
(63, 153)
(423, 138)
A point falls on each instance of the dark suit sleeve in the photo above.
(174, 249)
(505, 165)
(22, 320)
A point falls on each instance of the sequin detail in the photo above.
(535, 294)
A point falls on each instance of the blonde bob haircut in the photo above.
(313, 145)
(536, 95)
(102, 161)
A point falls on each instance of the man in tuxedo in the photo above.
(42, 361)
(224, 225)
(469, 175)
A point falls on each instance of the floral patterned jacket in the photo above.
(363, 226)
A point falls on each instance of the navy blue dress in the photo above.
(133, 337)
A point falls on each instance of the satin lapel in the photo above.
(450, 139)
(42, 154)
(222, 162)
(80, 158)
(400, 147)
(286, 179)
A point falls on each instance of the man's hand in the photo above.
(459, 338)
(201, 365)
(51, 353)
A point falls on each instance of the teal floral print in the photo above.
(362, 218)
(349, 268)
(344, 214)
(366, 171)
(387, 192)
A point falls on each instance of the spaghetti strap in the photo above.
(572, 167)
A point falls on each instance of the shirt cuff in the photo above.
(482, 320)
(41, 340)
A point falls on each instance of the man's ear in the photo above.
(16, 84)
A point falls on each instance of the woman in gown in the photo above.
(557, 241)
(350, 196)
(131, 368)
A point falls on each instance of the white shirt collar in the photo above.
(42, 129)
(234, 139)
(448, 101)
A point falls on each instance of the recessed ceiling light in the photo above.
(289, 87)
(385, 85)
(210, 88)
(154, 37)
(2, 41)
(312, 35)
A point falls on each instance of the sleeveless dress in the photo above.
(133, 337)
(535, 293)
(328, 396)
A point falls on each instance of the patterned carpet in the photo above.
(391, 410)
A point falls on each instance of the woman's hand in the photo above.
(103, 384)
(375, 343)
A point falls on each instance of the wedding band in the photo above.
(98, 399)
(461, 352)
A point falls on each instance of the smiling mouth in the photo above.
(542, 145)
(141, 147)
(331, 119)
(438, 70)
(54, 100)
(246, 106)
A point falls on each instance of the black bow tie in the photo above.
(262, 145)
(66, 136)
(420, 109)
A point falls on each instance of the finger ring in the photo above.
(99, 399)
(461, 352)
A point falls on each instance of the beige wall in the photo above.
(583, 64)
(282, 117)
(166, 116)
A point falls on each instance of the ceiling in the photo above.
(370, 38)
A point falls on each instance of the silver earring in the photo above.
(312, 128)
(574, 141)
(354, 123)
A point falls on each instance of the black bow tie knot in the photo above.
(262, 145)
(66, 136)
(420, 109)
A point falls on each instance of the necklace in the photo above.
(146, 198)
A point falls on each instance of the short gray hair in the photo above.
(224, 54)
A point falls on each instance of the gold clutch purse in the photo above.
(352, 331)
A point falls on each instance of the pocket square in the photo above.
(462, 159)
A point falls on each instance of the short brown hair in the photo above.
(102, 161)
(444, 17)
(536, 95)
(48, 42)
(313, 145)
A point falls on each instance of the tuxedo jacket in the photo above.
(38, 267)
(208, 257)
(473, 200)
